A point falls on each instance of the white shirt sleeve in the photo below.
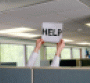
(32, 59)
(34, 56)
(56, 61)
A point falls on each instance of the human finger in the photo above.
(63, 41)
(60, 41)
(42, 40)
(38, 39)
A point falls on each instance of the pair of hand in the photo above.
(60, 46)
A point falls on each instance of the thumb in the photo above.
(43, 42)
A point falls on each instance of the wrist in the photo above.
(36, 50)
(58, 54)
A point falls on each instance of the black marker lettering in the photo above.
(50, 32)
(44, 31)
(59, 31)
(54, 32)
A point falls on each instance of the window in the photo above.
(12, 53)
(76, 53)
(50, 52)
(66, 53)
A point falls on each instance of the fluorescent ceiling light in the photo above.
(88, 24)
(16, 30)
(83, 43)
(26, 35)
(67, 40)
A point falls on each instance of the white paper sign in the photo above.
(51, 32)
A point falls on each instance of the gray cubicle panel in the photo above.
(61, 76)
(15, 75)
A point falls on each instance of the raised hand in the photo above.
(39, 42)
(60, 46)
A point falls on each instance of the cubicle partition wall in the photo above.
(61, 75)
(45, 75)
(15, 75)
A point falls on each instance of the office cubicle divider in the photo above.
(45, 75)
(61, 76)
(15, 75)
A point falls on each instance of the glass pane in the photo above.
(12, 53)
(50, 52)
(66, 53)
(76, 53)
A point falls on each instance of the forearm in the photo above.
(33, 58)
(56, 61)
(34, 55)
(36, 50)
(58, 53)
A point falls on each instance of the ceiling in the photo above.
(72, 13)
